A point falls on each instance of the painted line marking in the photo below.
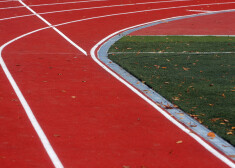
(58, 31)
(9, 1)
(62, 3)
(100, 7)
(194, 136)
(43, 138)
(192, 34)
(161, 52)
(203, 11)
(150, 10)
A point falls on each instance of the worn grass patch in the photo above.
(201, 84)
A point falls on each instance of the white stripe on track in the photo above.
(149, 10)
(62, 3)
(100, 7)
(33, 120)
(43, 138)
(203, 11)
(189, 53)
(178, 124)
(58, 31)
(9, 1)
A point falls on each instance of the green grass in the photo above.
(202, 85)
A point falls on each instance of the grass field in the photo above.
(195, 73)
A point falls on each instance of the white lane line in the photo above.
(149, 10)
(183, 128)
(58, 31)
(62, 3)
(19, 94)
(162, 52)
(100, 7)
(194, 34)
(33, 120)
(9, 1)
(203, 11)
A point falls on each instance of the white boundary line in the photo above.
(14, 85)
(9, 1)
(58, 31)
(203, 11)
(62, 3)
(161, 52)
(157, 9)
(187, 131)
(31, 116)
(100, 7)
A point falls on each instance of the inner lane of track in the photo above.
(89, 117)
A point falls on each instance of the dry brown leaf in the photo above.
(231, 156)
(74, 97)
(126, 167)
(226, 120)
(176, 98)
(179, 142)
(214, 119)
(223, 95)
(186, 69)
(211, 135)
(230, 133)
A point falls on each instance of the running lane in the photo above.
(90, 118)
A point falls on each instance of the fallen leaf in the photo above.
(226, 120)
(126, 167)
(223, 95)
(233, 128)
(56, 135)
(179, 142)
(232, 156)
(193, 125)
(73, 97)
(186, 69)
(176, 98)
(164, 67)
(211, 135)
(230, 133)
(214, 119)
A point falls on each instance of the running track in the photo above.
(89, 117)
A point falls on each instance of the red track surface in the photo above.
(90, 118)
(216, 24)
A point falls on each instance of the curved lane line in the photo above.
(62, 3)
(99, 7)
(149, 10)
(8, 1)
(24, 103)
(131, 87)
(28, 110)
